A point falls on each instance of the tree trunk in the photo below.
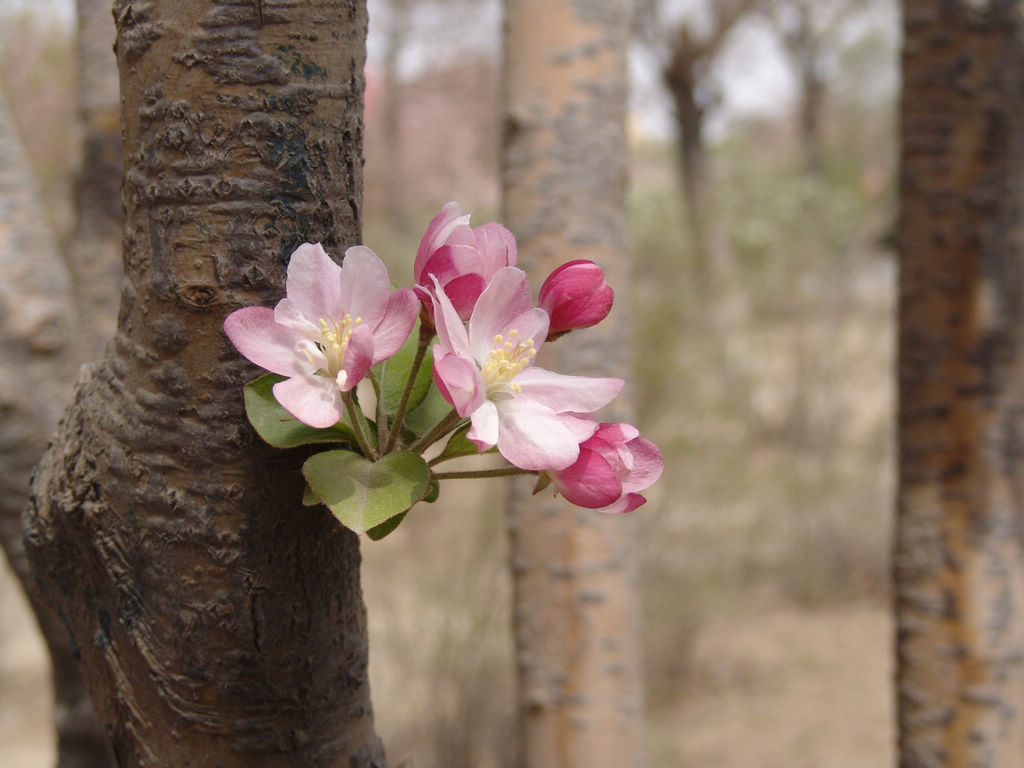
(959, 569)
(219, 621)
(812, 103)
(576, 604)
(683, 76)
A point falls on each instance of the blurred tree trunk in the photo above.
(576, 601)
(39, 380)
(804, 42)
(688, 78)
(959, 569)
(219, 622)
(40, 358)
(94, 252)
(807, 30)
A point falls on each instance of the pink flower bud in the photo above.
(614, 465)
(576, 296)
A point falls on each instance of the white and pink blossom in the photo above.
(334, 324)
(537, 418)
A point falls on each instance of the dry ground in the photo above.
(799, 688)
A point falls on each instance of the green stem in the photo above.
(403, 404)
(470, 474)
(436, 432)
(359, 425)
(381, 425)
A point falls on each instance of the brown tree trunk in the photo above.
(959, 564)
(576, 603)
(219, 622)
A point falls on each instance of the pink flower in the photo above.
(614, 464)
(462, 259)
(333, 325)
(576, 296)
(535, 417)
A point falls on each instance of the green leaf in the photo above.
(378, 532)
(278, 427)
(394, 373)
(458, 445)
(309, 499)
(433, 408)
(433, 492)
(363, 494)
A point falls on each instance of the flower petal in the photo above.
(358, 357)
(464, 292)
(581, 425)
(497, 247)
(485, 430)
(590, 482)
(440, 227)
(450, 261)
(313, 400)
(451, 333)
(505, 299)
(313, 282)
(616, 432)
(648, 465)
(533, 437)
(364, 286)
(393, 329)
(290, 315)
(263, 341)
(532, 324)
(559, 392)
(627, 503)
(459, 382)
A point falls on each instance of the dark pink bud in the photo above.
(576, 296)
(614, 465)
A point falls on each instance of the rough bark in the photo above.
(576, 598)
(219, 622)
(959, 569)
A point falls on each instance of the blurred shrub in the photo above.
(775, 414)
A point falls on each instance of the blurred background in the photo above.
(761, 218)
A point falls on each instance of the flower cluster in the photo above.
(481, 332)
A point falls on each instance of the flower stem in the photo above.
(436, 432)
(359, 426)
(381, 418)
(469, 474)
(403, 404)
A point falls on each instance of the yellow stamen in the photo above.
(506, 361)
(334, 338)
